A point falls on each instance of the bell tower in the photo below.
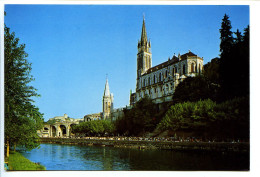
(144, 55)
(107, 102)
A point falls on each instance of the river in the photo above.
(76, 157)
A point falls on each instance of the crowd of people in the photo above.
(125, 138)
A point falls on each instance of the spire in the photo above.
(143, 35)
(106, 92)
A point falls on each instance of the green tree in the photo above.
(143, 117)
(226, 120)
(226, 63)
(94, 128)
(211, 71)
(234, 61)
(194, 89)
(22, 117)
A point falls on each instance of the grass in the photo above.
(18, 162)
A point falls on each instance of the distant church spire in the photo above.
(107, 102)
(106, 91)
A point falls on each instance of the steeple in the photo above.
(106, 92)
(144, 55)
(143, 35)
(107, 101)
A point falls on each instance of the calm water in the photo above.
(75, 157)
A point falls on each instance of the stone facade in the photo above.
(91, 117)
(159, 82)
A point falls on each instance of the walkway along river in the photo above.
(148, 144)
(93, 155)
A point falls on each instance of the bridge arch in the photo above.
(63, 130)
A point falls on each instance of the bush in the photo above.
(226, 120)
(94, 128)
(143, 117)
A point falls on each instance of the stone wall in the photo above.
(200, 146)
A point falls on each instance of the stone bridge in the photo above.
(57, 129)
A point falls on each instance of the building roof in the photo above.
(174, 59)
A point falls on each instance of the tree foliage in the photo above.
(211, 71)
(22, 117)
(143, 117)
(234, 61)
(94, 128)
(229, 119)
(194, 89)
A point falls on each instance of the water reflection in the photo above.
(73, 157)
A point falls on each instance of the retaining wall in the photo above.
(205, 146)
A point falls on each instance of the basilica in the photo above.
(159, 82)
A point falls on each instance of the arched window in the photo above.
(199, 68)
(183, 69)
(166, 74)
(154, 81)
(176, 70)
(144, 83)
(173, 71)
(149, 81)
(192, 67)
(160, 77)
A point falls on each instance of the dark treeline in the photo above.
(142, 118)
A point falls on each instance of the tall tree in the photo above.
(226, 63)
(22, 117)
(234, 61)
(211, 71)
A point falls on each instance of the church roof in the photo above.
(174, 59)
(186, 55)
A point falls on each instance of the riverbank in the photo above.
(146, 144)
(17, 162)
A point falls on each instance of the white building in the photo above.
(159, 82)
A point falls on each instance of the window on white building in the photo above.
(192, 67)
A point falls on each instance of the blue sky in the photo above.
(73, 47)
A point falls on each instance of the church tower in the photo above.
(144, 55)
(107, 102)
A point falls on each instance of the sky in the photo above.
(73, 48)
